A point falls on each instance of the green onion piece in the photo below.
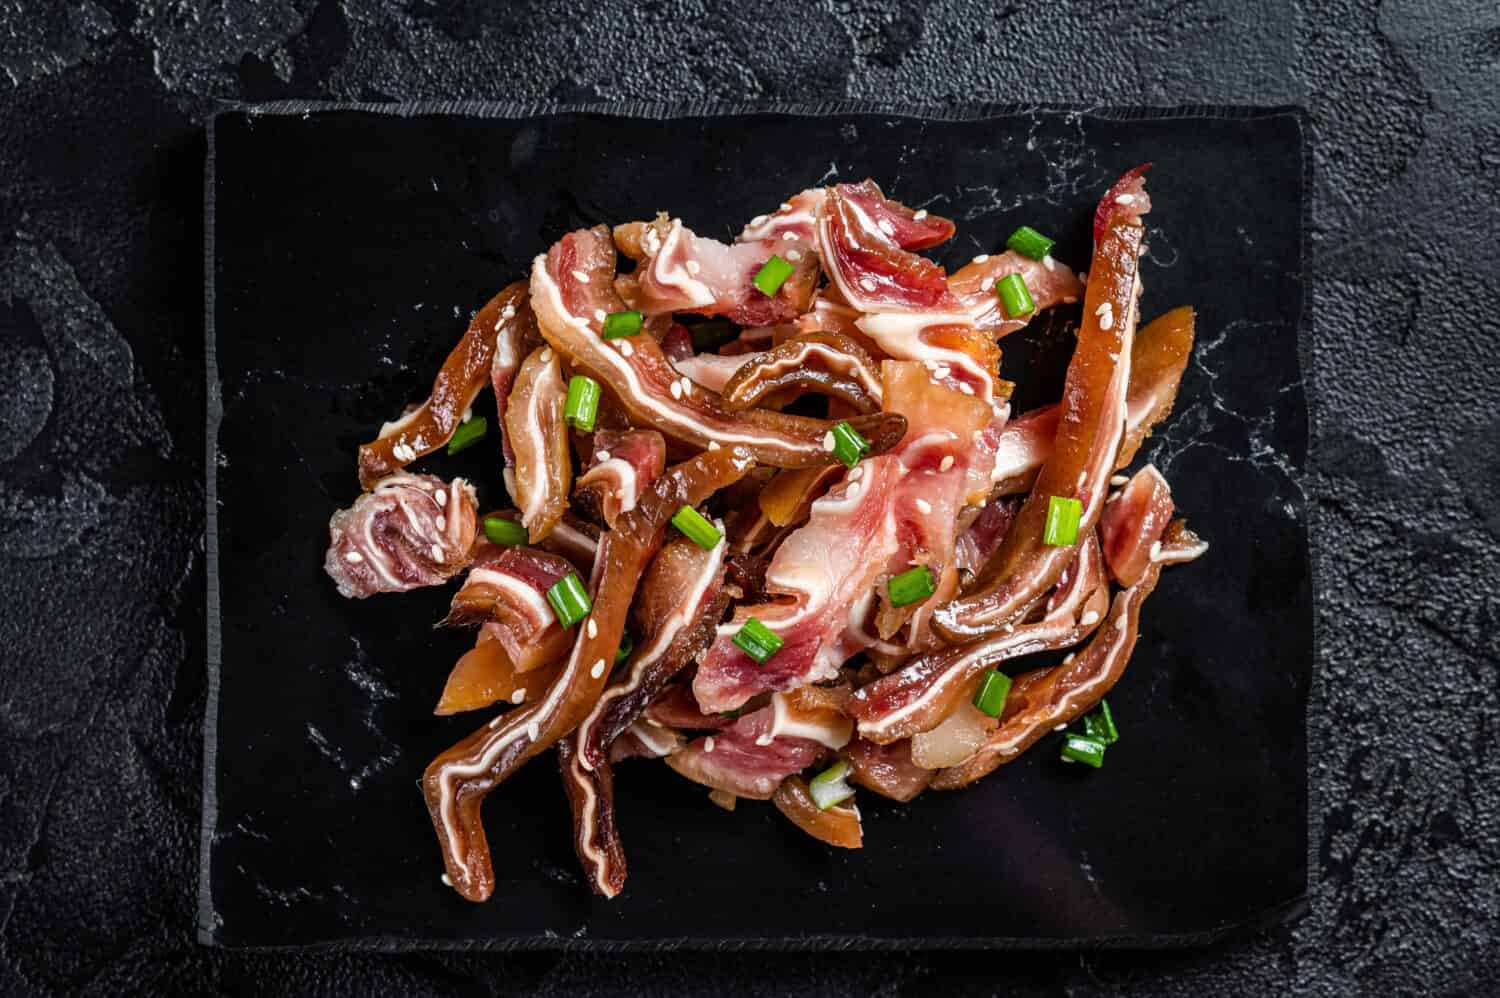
(469, 433)
(709, 336)
(1100, 725)
(757, 640)
(627, 645)
(583, 402)
(1029, 242)
(992, 693)
(772, 275)
(505, 532)
(569, 600)
(1015, 299)
(831, 786)
(698, 530)
(848, 445)
(1081, 748)
(618, 325)
(1063, 515)
(911, 586)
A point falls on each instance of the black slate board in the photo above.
(348, 249)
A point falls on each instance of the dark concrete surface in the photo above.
(101, 444)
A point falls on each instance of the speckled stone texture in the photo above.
(101, 407)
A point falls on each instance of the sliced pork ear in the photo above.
(1090, 429)
(485, 675)
(857, 237)
(886, 769)
(1044, 698)
(826, 363)
(515, 339)
(624, 465)
(713, 371)
(507, 587)
(1157, 360)
(1132, 524)
(572, 291)
(408, 531)
(753, 755)
(428, 426)
(456, 783)
(973, 286)
(836, 826)
(957, 355)
(539, 435)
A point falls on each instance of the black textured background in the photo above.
(101, 443)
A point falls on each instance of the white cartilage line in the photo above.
(677, 276)
(537, 500)
(586, 821)
(525, 592)
(782, 723)
(551, 297)
(648, 656)
(375, 555)
(605, 472)
(896, 332)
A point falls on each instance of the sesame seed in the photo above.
(1112, 497)
(1048, 262)
(446, 879)
(758, 220)
(764, 740)
(945, 463)
(598, 669)
(919, 215)
(437, 552)
(533, 731)
(1125, 199)
(793, 255)
(1070, 658)
(580, 277)
(600, 314)
(786, 206)
(708, 744)
(602, 456)
(496, 722)
(625, 348)
(1060, 727)
(789, 236)
(1156, 550)
(676, 389)
(1009, 628)
(1092, 617)
(547, 356)
(1106, 316)
(966, 388)
(354, 557)
(713, 445)
(1120, 622)
(982, 258)
(924, 506)
(868, 283)
(508, 312)
(441, 497)
(941, 371)
(1118, 480)
(828, 440)
(593, 628)
(687, 385)
(693, 267)
(442, 523)
(518, 695)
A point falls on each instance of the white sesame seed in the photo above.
(441, 497)
(1009, 628)
(786, 206)
(687, 385)
(1125, 199)
(598, 669)
(758, 220)
(518, 695)
(945, 463)
(924, 506)
(546, 356)
(625, 348)
(1060, 727)
(708, 744)
(1106, 316)
(593, 628)
(437, 552)
(982, 258)
(794, 255)
(693, 267)
(1048, 262)
(919, 215)
(941, 371)
(496, 722)
(354, 557)
(600, 314)
(966, 388)
(533, 731)
(1092, 617)
(1112, 497)
(446, 880)
(508, 312)
(442, 523)
(868, 283)
(580, 277)
(789, 236)
(1118, 480)
(676, 389)
(602, 456)
(764, 740)
(1070, 658)
(1120, 622)
(828, 440)
(713, 445)
(1156, 550)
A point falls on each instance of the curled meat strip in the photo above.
(572, 292)
(485, 674)
(886, 769)
(507, 588)
(407, 532)
(625, 465)
(1044, 698)
(516, 337)
(1090, 429)
(918, 697)
(712, 370)
(1049, 281)
(837, 826)
(456, 783)
(827, 363)
(428, 426)
(864, 240)
(539, 436)
(957, 354)
(681, 599)
(1132, 524)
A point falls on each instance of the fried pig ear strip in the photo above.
(428, 426)
(457, 781)
(625, 465)
(837, 826)
(1132, 525)
(827, 363)
(515, 338)
(1089, 433)
(407, 532)
(1044, 698)
(682, 598)
(572, 292)
(918, 697)
(507, 588)
(484, 675)
(539, 435)
(886, 769)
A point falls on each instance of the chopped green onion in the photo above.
(1029, 242)
(698, 530)
(569, 600)
(469, 433)
(911, 586)
(1100, 725)
(831, 786)
(1015, 299)
(618, 325)
(992, 693)
(709, 336)
(772, 275)
(1063, 515)
(583, 402)
(505, 532)
(627, 645)
(757, 640)
(1081, 748)
(848, 445)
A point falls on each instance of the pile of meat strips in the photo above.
(774, 520)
